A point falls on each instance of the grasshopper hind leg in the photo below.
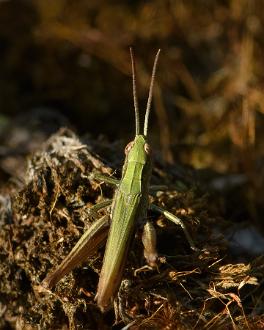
(149, 240)
(87, 245)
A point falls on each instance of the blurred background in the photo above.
(66, 63)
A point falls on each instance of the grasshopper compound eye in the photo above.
(128, 147)
(147, 149)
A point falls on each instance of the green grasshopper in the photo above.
(128, 208)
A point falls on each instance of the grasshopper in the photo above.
(128, 208)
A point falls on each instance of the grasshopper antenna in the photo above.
(134, 90)
(150, 93)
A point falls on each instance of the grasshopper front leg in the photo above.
(87, 245)
(105, 178)
(115, 182)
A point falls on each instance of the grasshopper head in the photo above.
(138, 150)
